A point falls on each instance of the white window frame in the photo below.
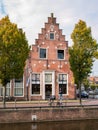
(35, 82)
(63, 81)
(8, 88)
(53, 35)
(39, 53)
(57, 54)
(17, 94)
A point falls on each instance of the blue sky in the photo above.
(32, 14)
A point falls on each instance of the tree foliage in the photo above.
(82, 52)
(14, 51)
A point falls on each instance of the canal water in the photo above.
(66, 125)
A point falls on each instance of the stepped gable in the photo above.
(51, 27)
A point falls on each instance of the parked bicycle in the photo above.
(51, 100)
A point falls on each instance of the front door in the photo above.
(48, 91)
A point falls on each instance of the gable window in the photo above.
(42, 53)
(51, 36)
(60, 54)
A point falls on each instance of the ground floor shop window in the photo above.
(1, 91)
(35, 88)
(63, 83)
(18, 88)
(8, 89)
(35, 83)
(63, 88)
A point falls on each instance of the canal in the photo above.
(66, 125)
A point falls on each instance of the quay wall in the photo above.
(47, 114)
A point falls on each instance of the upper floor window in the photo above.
(60, 54)
(42, 53)
(51, 36)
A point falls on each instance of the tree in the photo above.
(14, 51)
(82, 52)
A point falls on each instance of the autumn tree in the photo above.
(14, 51)
(82, 52)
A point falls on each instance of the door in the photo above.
(48, 91)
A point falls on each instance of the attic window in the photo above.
(51, 36)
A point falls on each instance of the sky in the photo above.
(30, 15)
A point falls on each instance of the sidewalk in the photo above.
(41, 103)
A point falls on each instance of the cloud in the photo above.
(32, 14)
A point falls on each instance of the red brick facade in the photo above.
(49, 64)
(47, 69)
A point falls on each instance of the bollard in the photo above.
(15, 102)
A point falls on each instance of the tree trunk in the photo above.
(80, 93)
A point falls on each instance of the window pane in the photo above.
(8, 89)
(18, 88)
(60, 54)
(63, 88)
(42, 53)
(35, 88)
(18, 91)
(62, 77)
(48, 77)
(35, 77)
(1, 91)
(52, 36)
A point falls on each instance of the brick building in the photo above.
(47, 69)
(49, 64)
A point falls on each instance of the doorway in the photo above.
(48, 91)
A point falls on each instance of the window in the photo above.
(35, 77)
(48, 78)
(1, 90)
(8, 89)
(18, 89)
(62, 77)
(35, 88)
(35, 83)
(63, 83)
(51, 36)
(60, 54)
(42, 53)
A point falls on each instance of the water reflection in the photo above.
(67, 125)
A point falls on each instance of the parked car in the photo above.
(96, 91)
(84, 94)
